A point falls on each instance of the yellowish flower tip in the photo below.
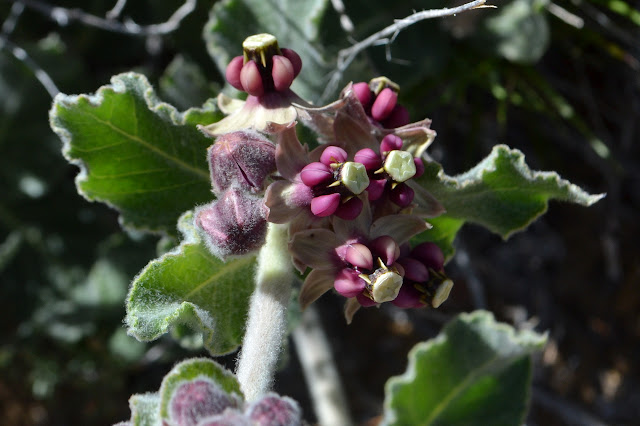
(261, 48)
(400, 165)
(442, 293)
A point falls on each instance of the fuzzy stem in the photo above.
(267, 321)
(321, 374)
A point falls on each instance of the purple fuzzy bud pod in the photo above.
(228, 417)
(243, 159)
(325, 205)
(408, 297)
(193, 401)
(363, 93)
(390, 143)
(295, 59)
(315, 173)
(235, 224)
(383, 105)
(414, 270)
(419, 167)
(251, 79)
(356, 254)
(233, 72)
(401, 195)
(399, 117)
(349, 283)
(365, 301)
(282, 73)
(350, 209)
(368, 158)
(429, 254)
(385, 248)
(333, 154)
(273, 410)
(376, 189)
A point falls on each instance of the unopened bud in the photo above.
(233, 72)
(251, 79)
(349, 209)
(349, 283)
(402, 195)
(282, 73)
(195, 400)
(383, 105)
(333, 154)
(368, 158)
(390, 143)
(295, 59)
(325, 205)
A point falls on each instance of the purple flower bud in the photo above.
(414, 270)
(386, 248)
(365, 301)
(350, 209)
(349, 283)
(251, 79)
(368, 158)
(193, 401)
(228, 417)
(235, 224)
(243, 159)
(273, 410)
(363, 93)
(315, 173)
(408, 297)
(282, 73)
(398, 118)
(333, 154)
(356, 254)
(419, 167)
(383, 105)
(295, 59)
(376, 189)
(233, 72)
(390, 143)
(401, 195)
(325, 205)
(429, 254)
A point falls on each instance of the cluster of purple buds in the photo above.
(264, 67)
(379, 98)
(389, 170)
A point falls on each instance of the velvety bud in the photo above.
(333, 154)
(365, 301)
(383, 105)
(295, 60)
(399, 117)
(386, 248)
(386, 286)
(349, 283)
(390, 143)
(350, 209)
(419, 167)
(315, 173)
(356, 254)
(233, 72)
(325, 205)
(251, 79)
(273, 410)
(414, 270)
(228, 417)
(193, 401)
(369, 158)
(402, 195)
(354, 177)
(233, 225)
(429, 254)
(282, 73)
(376, 189)
(243, 159)
(400, 165)
(363, 93)
(408, 297)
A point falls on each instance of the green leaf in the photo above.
(191, 286)
(444, 231)
(477, 371)
(145, 409)
(295, 23)
(136, 153)
(501, 193)
(193, 369)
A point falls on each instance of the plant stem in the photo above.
(312, 346)
(267, 322)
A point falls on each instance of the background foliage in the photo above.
(567, 97)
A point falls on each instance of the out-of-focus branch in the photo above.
(21, 55)
(63, 16)
(9, 24)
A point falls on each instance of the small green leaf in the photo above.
(295, 23)
(477, 371)
(136, 153)
(189, 285)
(501, 193)
(145, 409)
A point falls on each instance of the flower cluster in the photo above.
(352, 202)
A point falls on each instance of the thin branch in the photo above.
(21, 55)
(9, 24)
(345, 22)
(63, 16)
(348, 55)
(117, 9)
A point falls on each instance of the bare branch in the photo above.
(63, 16)
(348, 55)
(345, 21)
(21, 55)
(117, 9)
(9, 24)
